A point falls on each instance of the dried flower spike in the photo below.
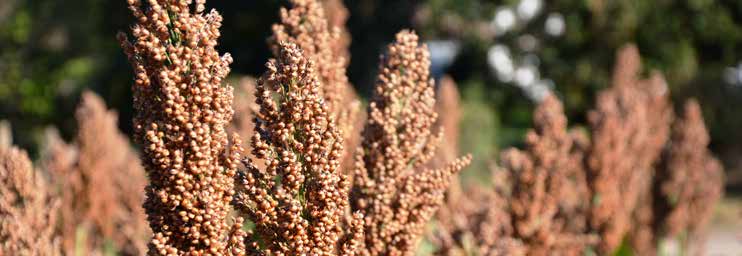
(392, 189)
(448, 108)
(630, 127)
(539, 175)
(305, 24)
(447, 105)
(28, 213)
(100, 182)
(535, 207)
(477, 223)
(337, 15)
(298, 201)
(691, 180)
(244, 108)
(181, 110)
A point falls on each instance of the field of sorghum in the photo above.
(291, 164)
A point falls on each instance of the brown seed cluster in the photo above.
(565, 193)
(574, 203)
(691, 180)
(299, 200)
(630, 126)
(244, 108)
(448, 108)
(538, 204)
(636, 178)
(687, 185)
(393, 190)
(100, 183)
(540, 180)
(181, 111)
(28, 212)
(337, 15)
(472, 221)
(477, 224)
(305, 24)
(447, 105)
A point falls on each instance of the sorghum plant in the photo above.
(392, 189)
(28, 212)
(449, 113)
(690, 181)
(100, 183)
(299, 200)
(477, 224)
(537, 206)
(337, 15)
(558, 211)
(641, 233)
(244, 108)
(304, 23)
(181, 110)
(630, 126)
(448, 107)
(539, 180)
(574, 209)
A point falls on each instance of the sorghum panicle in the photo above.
(100, 183)
(392, 189)
(535, 207)
(690, 180)
(337, 15)
(477, 223)
(244, 108)
(299, 200)
(642, 234)
(540, 176)
(630, 126)
(448, 108)
(447, 105)
(472, 221)
(181, 110)
(28, 212)
(305, 24)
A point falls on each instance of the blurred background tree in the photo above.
(504, 55)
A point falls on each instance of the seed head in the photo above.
(28, 212)
(392, 189)
(630, 127)
(299, 199)
(181, 110)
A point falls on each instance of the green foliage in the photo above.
(425, 248)
(624, 249)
